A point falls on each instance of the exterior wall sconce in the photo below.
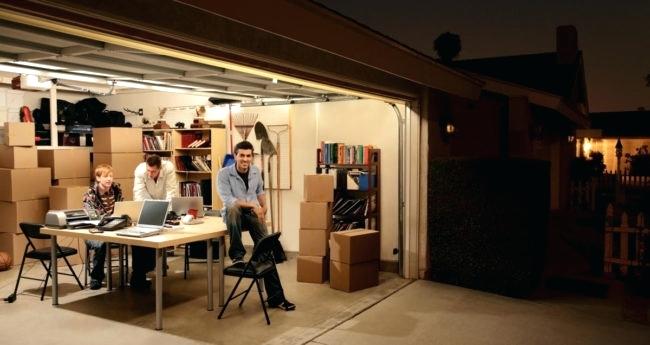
(571, 138)
(447, 129)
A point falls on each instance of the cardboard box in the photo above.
(29, 211)
(313, 242)
(353, 277)
(117, 139)
(315, 215)
(127, 187)
(77, 259)
(123, 163)
(79, 181)
(66, 197)
(313, 269)
(319, 188)
(16, 157)
(19, 134)
(24, 184)
(354, 246)
(66, 162)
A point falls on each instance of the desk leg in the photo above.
(109, 272)
(120, 269)
(159, 285)
(220, 267)
(209, 258)
(54, 272)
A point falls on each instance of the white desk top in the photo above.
(210, 228)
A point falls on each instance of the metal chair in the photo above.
(123, 262)
(258, 267)
(33, 231)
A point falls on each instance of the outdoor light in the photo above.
(586, 146)
(571, 138)
(450, 129)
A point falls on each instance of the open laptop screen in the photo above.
(153, 213)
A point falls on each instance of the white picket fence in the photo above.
(627, 238)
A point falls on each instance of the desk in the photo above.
(212, 227)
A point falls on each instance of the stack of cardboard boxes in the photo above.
(354, 263)
(315, 224)
(121, 147)
(23, 187)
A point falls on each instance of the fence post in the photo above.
(625, 235)
(609, 238)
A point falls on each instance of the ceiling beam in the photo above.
(49, 35)
(129, 65)
(110, 47)
(99, 70)
(30, 46)
(77, 50)
(7, 57)
(35, 56)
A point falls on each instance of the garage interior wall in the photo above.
(359, 122)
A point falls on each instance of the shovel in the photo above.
(267, 149)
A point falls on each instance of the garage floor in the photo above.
(397, 311)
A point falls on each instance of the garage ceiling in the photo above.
(87, 65)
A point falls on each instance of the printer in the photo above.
(70, 219)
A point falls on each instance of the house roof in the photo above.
(538, 71)
(624, 124)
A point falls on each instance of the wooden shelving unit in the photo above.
(363, 208)
(209, 155)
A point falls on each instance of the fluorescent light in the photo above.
(37, 65)
(93, 73)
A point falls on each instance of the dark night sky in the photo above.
(615, 39)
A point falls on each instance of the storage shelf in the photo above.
(193, 172)
(193, 148)
(157, 151)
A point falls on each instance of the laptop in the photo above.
(150, 221)
(181, 204)
(130, 208)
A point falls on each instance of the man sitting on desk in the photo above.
(241, 189)
(155, 179)
(101, 197)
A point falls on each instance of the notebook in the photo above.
(180, 205)
(130, 208)
(150, 221)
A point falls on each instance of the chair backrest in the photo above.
(32, 230)
(264, 248)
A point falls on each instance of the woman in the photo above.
(101, 197)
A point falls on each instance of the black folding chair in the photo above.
(33, 231)
(258, 267)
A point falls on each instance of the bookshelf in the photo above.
(357, 206)
(197, 154)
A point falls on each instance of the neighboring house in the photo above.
(530, 107)
(631, 127)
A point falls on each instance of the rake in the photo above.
(244, 123)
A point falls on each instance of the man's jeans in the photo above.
(99, 257)
(244, 218)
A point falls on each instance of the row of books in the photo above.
(158, 142)
(194, 139)
(190, 188)
(198, 143)
(193, 163)
(198, 188)
(339, 153)
(340, 226)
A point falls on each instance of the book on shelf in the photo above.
(193, 163)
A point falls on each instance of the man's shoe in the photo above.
(286, 306)
(140, 284)
(95, 284)
(239, 263)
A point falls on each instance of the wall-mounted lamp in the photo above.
(447, 128)
(571, 138)
(450, 129)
